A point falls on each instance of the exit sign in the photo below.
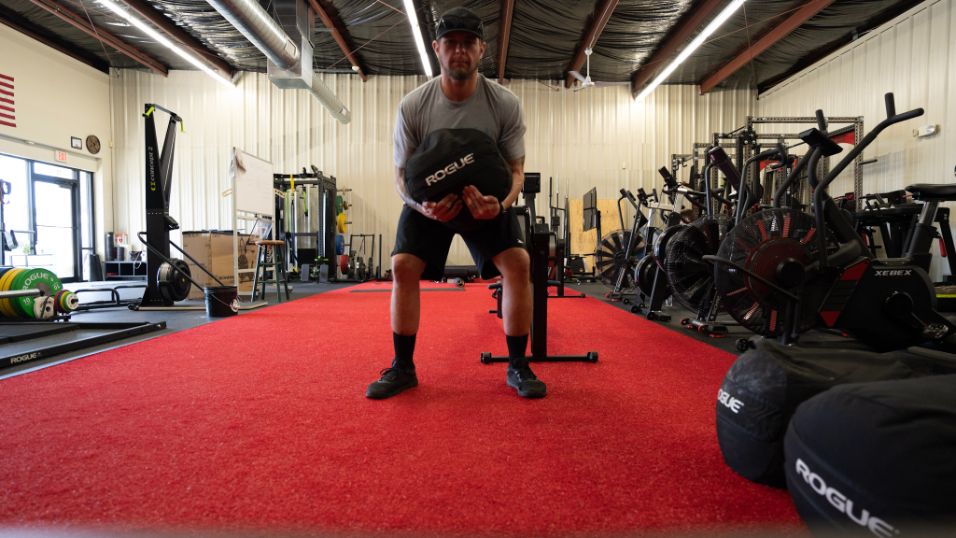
(60, 156)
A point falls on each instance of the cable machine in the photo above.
(309, 220)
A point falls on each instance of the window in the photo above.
(50, 211)
(51, 170)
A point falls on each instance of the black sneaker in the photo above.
(393, 381)
(523, 380)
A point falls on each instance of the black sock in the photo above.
(516, 349)
(404, 349)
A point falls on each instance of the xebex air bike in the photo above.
(782, 271)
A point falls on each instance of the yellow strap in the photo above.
(292, 182)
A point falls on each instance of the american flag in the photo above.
(8, 115)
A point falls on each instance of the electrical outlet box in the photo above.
(926, 130)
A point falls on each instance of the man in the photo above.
(459, 98)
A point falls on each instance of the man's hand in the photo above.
(444, 210)
(482, 207)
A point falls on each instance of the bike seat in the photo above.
(933, 191)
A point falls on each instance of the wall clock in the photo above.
(93, 144)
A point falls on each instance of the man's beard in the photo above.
(460, 73)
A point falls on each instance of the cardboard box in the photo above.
(214, 250)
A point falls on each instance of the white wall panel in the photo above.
(913, 56)
(597, 137)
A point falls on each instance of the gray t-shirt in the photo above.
(492, 109)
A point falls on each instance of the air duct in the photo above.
(286, 44)
(327, 97)
(258, 27)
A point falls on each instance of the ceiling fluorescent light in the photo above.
(179, 51)
(689, 49)
(417, 34)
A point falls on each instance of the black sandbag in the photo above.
(876, 458)
(450, 159)
(765, 385)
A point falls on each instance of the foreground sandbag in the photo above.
(876, 458)
(765, 385)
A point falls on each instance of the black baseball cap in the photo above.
(460, 19)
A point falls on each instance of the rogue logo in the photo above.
(729, 401)
(844, 505)
(455, 166)
(893, 272)
(25, 357)
(35, 276)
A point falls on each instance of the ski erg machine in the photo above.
(159, 223)
(167, 280)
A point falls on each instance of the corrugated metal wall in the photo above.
(914, 57)
(596, 137)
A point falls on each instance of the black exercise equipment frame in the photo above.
(159, 223)
(539, 247)
(159, 171)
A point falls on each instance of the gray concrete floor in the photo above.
(727, 342)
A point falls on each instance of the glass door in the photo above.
(55, 207)
(49, 209)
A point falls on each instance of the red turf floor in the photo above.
(259, 422)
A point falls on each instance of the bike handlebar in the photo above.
(669, 180)
(721, 160)
(891, 119)
(629, 195)
(821, 121)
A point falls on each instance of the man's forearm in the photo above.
(403, 192)
(517, 182)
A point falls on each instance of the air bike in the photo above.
(782, 271)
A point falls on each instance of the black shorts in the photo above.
(430, 240)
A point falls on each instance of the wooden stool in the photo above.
(270, 252)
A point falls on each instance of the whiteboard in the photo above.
(251, 183)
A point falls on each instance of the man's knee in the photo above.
(407, 267)
(514, 262)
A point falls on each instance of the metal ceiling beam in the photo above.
(81, 24)
(504, 36)
(770, 38)
(186, 40)
(602, 13)
(341, 36)
(27, 28)
(678, 38)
